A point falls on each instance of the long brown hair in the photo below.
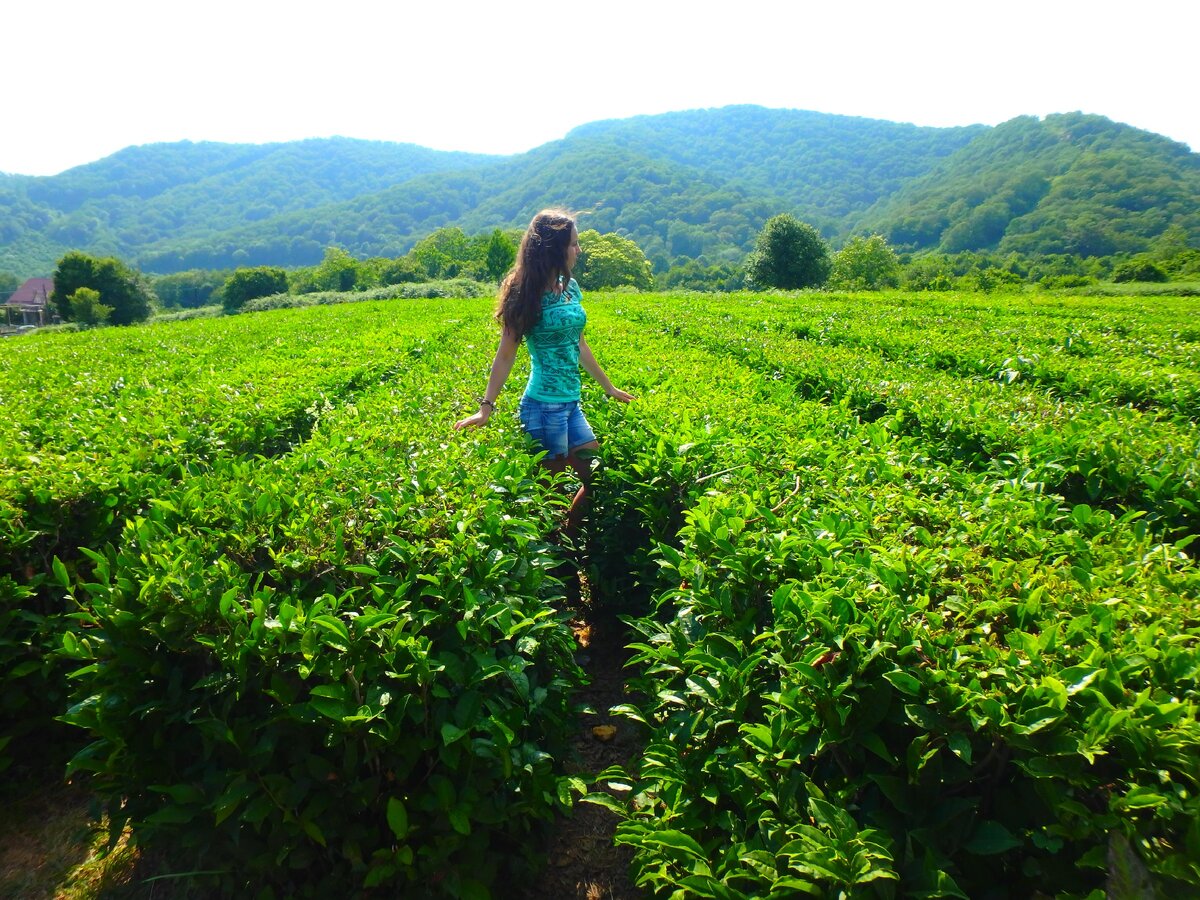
(541, 258)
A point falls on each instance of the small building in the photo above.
(30, 304)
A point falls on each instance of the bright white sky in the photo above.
(83, 79)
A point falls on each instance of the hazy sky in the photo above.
(84, 79)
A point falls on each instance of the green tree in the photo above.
(986, 279)
(1184, 265)
(338, 271)
(1088, 236)
(788, 254)
(86, 308)
(404, 270)
(120, 287)
(189, 289)
(928, 273)
(1172, 242)
(609, 260)
(8, 283)
(1058, 282)
(1171, 252)
(247, 284)
(448, 253)
(693, 275)
(1138, 270)
(501, 253)
(865, 264)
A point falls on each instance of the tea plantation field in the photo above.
(909, 582)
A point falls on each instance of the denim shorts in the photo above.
(557, 428)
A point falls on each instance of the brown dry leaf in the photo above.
(604, 732)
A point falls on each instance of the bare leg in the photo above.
(576, 512)
(580, 460)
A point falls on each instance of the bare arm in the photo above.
(588, 361)
(501, 366)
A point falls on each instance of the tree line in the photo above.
(788, 254)
(92, 290)
(791, 254)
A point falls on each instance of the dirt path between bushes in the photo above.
(582, 862)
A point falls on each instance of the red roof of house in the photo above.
(34, 292)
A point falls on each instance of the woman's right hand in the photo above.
(480, 418)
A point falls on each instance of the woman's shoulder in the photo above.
(574, 290)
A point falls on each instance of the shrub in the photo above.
(401, 271)
(1058, 282)
(1185, 264)
(857, 691)
(190, 290)
(428, 290)
(184, 315)
(693, 275)
(927, 274)
(455, 287)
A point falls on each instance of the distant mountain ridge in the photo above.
(1064, 184)
(868, 158)
(139, 195)
(695, 184)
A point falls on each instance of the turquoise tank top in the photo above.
(554, 347)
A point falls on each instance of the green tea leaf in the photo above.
(460, 822)
(397, 817)
(60, 573)
(989, 838)
(311, 829)
(452, 733)
(904, 682)
(1140, 797)
(677, 841)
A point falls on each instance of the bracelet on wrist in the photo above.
(484, 401)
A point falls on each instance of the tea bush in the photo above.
(310, 695)
(194, 394)
(872, 668)
(1090, 451)
(342, 666)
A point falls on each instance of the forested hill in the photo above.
(143, 195)
(1066, 184)
(683, 185)
(829, 167)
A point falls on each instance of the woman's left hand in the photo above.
(618, 394)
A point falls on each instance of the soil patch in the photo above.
(52, 846)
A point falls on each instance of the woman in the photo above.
(540, 303)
